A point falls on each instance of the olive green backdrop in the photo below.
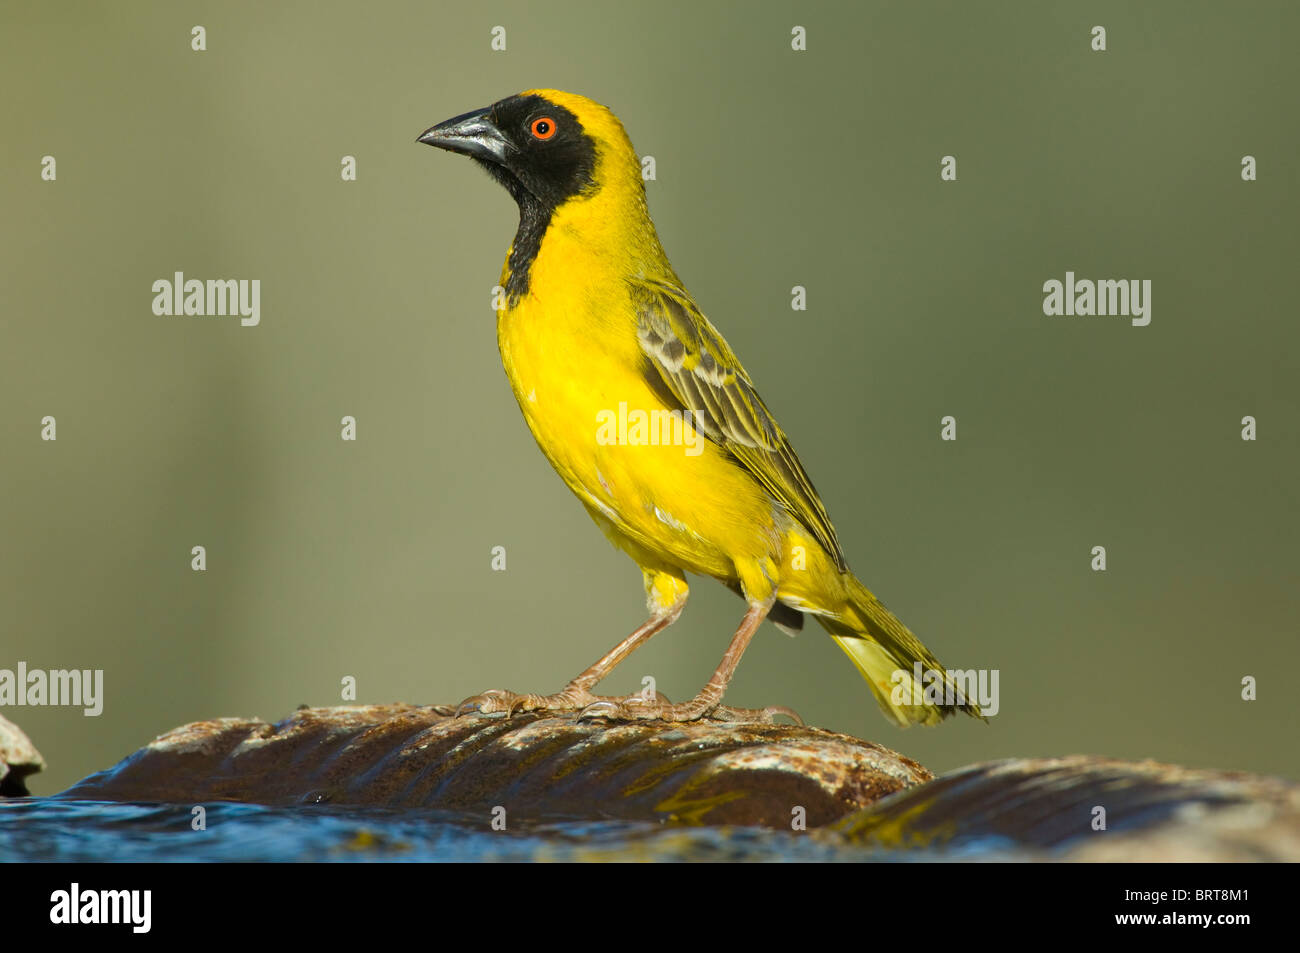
(775, 168)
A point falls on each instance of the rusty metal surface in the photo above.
(401, 756)
(1048, 807)
(18, 759)
(421, 763)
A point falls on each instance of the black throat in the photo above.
(534, 220)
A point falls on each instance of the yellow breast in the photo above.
(571, 352)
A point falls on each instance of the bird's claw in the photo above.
(766, 716)
(611, 709)
(493, 701)
(640, 708)
(499, 700)
(635, 707)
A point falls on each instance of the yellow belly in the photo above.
(573, 358)
(621, 448)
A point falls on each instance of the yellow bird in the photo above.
(650, 419)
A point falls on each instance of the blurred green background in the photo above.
(775, 168)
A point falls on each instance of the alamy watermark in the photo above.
(216, 296)
(75, 905)
(648, 428)
(55, 687)
(1083, 297)
(922, 686)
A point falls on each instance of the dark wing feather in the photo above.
(704, 375)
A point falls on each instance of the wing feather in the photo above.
(703, 374)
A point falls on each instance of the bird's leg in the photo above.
(577, 694)
(707, 702)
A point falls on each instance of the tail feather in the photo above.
(887, 653)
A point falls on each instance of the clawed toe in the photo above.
(636, 708)
(609, 708)
(766, 716)
(499, 700)
(491, 702)
(629, 708)
(639, 708)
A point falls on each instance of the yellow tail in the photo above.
(887, 653)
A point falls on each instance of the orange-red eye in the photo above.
(543, 128)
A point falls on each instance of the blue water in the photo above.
(36, 829)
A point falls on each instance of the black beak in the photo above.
(472, 134)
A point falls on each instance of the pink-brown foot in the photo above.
(497, 700)
(637, 708)
(766, 716)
